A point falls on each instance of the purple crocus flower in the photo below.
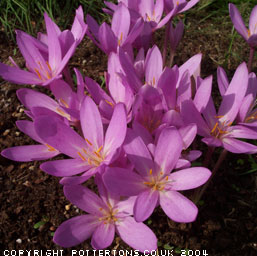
(152, 181)
(30, 152)
(175, 35)
(45, 62)
(250, 35)
(217, 128)
(179, 5)
(89, 154)
(121, 33)
(35, 101)
(248, 113)
(106, 215)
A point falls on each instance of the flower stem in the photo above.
(208, 156)
(214, 171)
(250, 61)
(172, 54)
(166, 38)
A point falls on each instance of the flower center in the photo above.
(156, 182)
(43, 73)
(150, 122)
(220, 128)
(93, 157)
(108, 215)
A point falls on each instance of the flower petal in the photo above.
(153, 66)
(203, 94)
(31, 98)
(168, 149)
(18, 76)
(116, 130)
(222, 80)
(232, 99)
(137, 235)
(59, 135)
(138, 153)
(63, 168)
(75, 230)
(189, 178)
(84, 198)
(238, 21)
(177, 207)
(91, 123)
(103, 236)
(238, 146)
(29, 153)
(123, 182)
(121, 23)
(145, 204)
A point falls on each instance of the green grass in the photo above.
(27, 15)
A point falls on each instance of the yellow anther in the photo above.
(97, 154)
(161, 173)
(50, 148)
(81, 156)
(88, 142)
(100, 208)
(249, 32)
(218, 116)
(38, 74)
(120, 39)
(151, 172)
(84, 151)
(98, 150)
(149, 19)
(40, 65)
(89, 161)
(110, 103)
(177, 3)
(48, 65)
(153, 80)
(64, 103)
(167, 177)
(214, 128)
(48, 75)
(61, 112)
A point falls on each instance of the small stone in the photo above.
(52, 228)
(23, 166)
(77, 210)
(67, 207)
(10, 168)
(21, 110)
(17, 134)
(26, 183)
(6, 132)
(28, 240)
(32, 167)
(19, 241)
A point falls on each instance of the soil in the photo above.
(227, 220)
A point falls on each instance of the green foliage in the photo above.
(41, 222)
(253, 164)
(168, 247)
(27, 15)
